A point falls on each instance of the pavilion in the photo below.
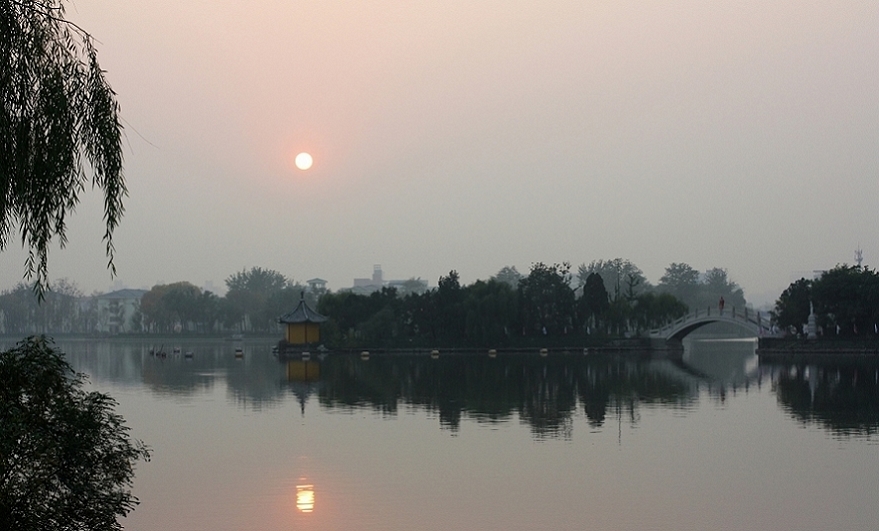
(303, 325)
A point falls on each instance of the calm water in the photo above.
(717, 441)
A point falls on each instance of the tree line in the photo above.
(845, 300)
(549, 306)
(253, 302)
(605, 298)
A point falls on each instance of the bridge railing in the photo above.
(731, 314)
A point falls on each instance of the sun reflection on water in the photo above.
(305, 498)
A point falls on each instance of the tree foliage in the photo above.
(652, 310)
(489, 313)
(715, 283)
(60, 310)
(595, 301)
(701, 290)
(682, 281)
(845, 300)
(792, 306)
(547, 300)
(254, 298)
(621, 277)
(257, 280)
(169, 306)
(508, 275)
(67, 459)
(847, 297)
(59, 122)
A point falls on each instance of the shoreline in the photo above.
(804, 350)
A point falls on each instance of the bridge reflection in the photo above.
(731, 362)
(545, 393)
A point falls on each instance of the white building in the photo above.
(115, 310)
(365, 286)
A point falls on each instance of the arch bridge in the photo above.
(677, 330)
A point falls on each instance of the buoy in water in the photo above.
(492, 353)
(434, 353)
(544, 352)
(364, 355)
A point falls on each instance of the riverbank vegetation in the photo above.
(550, 305)
(845, 301)
(66, 457)
(604, 299)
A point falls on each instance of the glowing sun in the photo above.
(304, 161)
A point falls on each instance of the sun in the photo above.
(304, 161)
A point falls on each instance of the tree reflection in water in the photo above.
(842, 398)
(543, 392)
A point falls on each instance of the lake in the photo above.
(715, 440)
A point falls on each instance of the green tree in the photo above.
(59, 122)
(714, 284)
(508, 275)
(257, 280)
(682, 281)
(285, 300)
(17, 307)
(792, 307)
(182, 301)
(594, 303)
(57, 312)
(652, 310)
(449, 298)
(411, 286)
(208, 311)
(417, 318)
(490, 313)
(847, 297)
(67, 459)
(158, 316)
(621, 277)
(546, 299)
(353, 319)
(249, 294)
(64, 296)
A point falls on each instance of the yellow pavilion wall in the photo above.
(303, 333)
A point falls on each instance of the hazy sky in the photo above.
(474, 135)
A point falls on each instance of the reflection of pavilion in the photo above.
(303, 377)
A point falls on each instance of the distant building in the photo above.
(365, 286)
(115, 310)
(405, 287)
(316, 285)
(209, 286)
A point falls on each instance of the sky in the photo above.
(476, 135)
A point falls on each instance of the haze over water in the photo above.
(455, 135)
(715, 441)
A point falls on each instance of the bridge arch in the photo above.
(677, 330)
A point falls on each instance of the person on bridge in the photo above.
(720, 304)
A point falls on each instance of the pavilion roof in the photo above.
(302, 314)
